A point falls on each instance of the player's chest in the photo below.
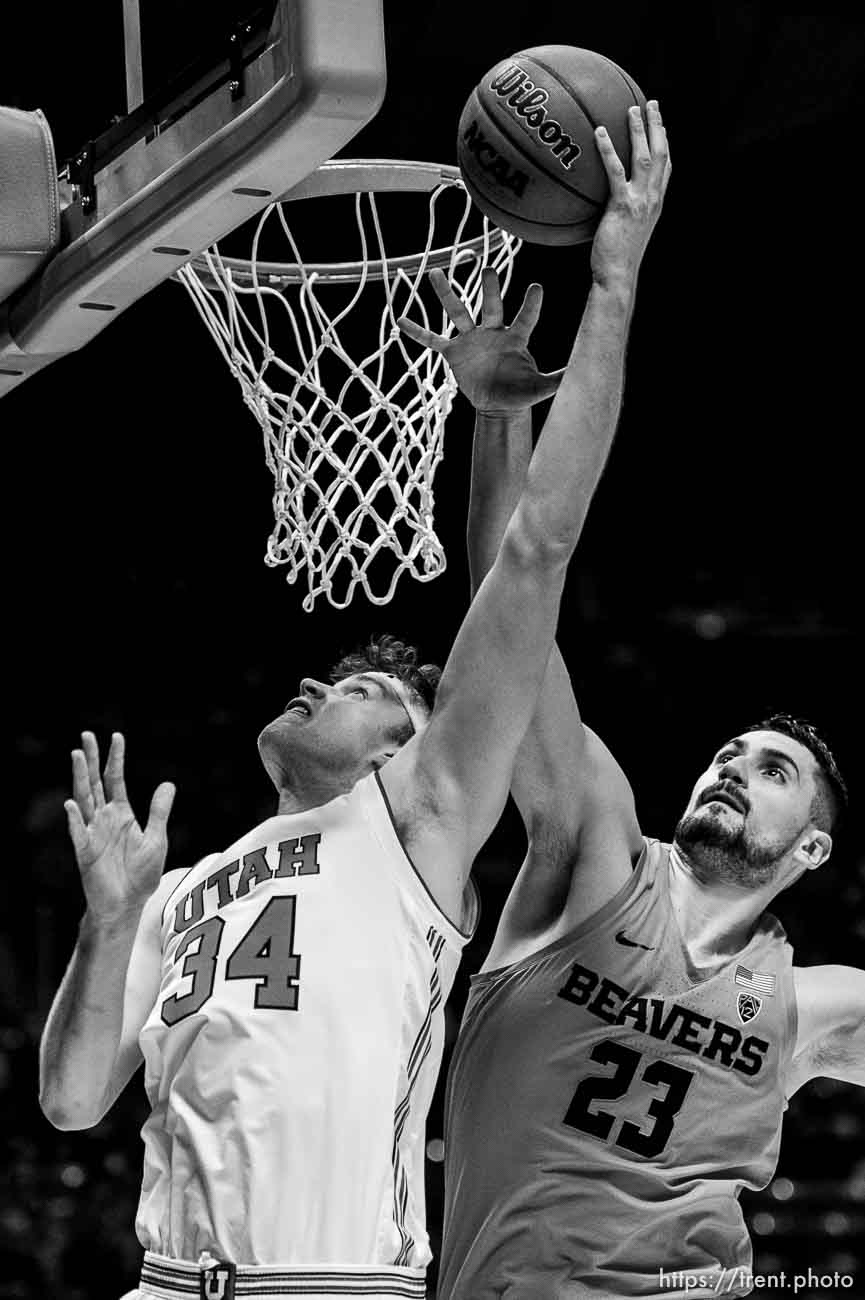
(604, 989)
(287, 926)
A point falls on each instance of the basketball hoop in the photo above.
(352, 432)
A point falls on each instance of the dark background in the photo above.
(719, 573)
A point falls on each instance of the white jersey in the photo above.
(292, 1053)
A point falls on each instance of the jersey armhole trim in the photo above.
(462, 935)
(786, 1066)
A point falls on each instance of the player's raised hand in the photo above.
(120, 863)
(490, 360)
(634, 204)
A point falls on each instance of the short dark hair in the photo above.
(387, 654)
(830, 803)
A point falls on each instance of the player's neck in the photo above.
(298, 792)
(715, 918)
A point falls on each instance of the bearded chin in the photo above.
(727, 854)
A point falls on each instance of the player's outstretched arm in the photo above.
(452, 782)
(566, 784)
(89, 1047)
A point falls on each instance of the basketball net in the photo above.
(353, 429)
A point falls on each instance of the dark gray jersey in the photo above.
(605, 1107)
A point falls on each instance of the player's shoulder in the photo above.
(830, 1035)
(824, 988)
(148, 937)
(172, 880)
(829, 999)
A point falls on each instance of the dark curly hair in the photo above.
(387, 654)
(830, 802)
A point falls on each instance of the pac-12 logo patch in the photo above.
(748, 1006)
(216, 1281)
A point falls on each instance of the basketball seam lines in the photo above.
(536, 162)
(627, 80)
(544, 225)
(570, 90)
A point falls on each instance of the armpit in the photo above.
(840, 1054)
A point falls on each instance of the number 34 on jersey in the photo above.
(264, 954)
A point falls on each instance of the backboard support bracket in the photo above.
(236, 64)
(82, 175)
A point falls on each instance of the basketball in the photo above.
(526, 145)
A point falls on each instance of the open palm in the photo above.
(491, 361)
(120, 864)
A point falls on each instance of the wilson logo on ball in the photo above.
(511, 178)
(527, 102)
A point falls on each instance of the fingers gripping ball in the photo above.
(526, 145)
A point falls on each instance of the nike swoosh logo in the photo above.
(629, 943)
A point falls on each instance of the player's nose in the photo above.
(734, 769)
(309, 686)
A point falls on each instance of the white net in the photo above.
(352, 413)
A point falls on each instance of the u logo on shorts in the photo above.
(217, 1282)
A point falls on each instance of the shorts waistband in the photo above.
(173, 1279)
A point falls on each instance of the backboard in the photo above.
(263, 103)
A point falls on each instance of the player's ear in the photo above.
(814, 848)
